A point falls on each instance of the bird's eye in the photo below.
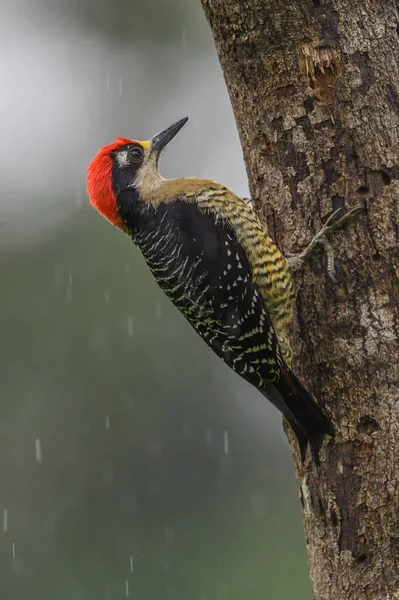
(136, 153)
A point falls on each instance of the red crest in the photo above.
(99, 181)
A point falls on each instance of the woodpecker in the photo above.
(211, 255)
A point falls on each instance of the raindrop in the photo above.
(130, 330)
(120, 86)
(70, 278)
(106, 296)
(131, 564)
(226, 442)
(13, 550)
(158, 310)
(127, 588)
(5, 519)
(107, 422)
(38, 448)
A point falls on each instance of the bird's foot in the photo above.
(297, 261)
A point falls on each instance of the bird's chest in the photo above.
(176, 253)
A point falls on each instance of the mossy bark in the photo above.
(314, 86)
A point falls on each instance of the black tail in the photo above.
(307, 419)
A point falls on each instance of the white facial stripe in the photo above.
(121, 157)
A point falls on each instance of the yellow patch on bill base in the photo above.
(145, 144)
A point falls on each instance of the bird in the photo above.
(211, 255)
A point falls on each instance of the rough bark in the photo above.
(314, 86)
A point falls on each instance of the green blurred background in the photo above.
(133, 463)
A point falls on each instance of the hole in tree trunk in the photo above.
(334, 518)
(321, 67)
(368, 424)
(360, 558)
(363, 190)
(386, 180)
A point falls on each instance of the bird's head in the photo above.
(126, 165)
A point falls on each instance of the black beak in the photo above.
(160, 140)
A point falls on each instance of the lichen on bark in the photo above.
(314, 86)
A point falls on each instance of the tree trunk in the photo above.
(314, 86)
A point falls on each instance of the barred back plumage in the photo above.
(269, 268)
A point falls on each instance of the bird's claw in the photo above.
(333, 222)
(296, 262)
